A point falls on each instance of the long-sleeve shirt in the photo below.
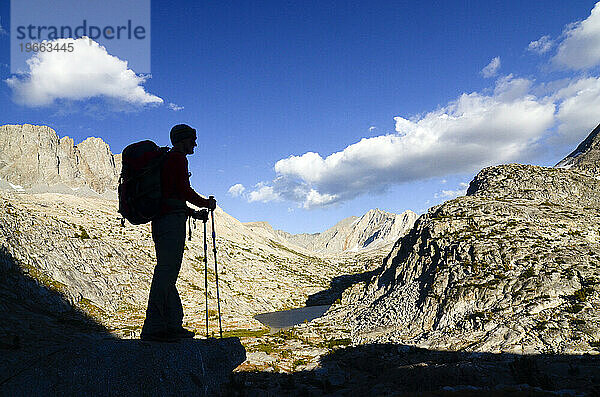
(175, 182)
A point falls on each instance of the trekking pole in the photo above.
(214, 239)
(206, 272)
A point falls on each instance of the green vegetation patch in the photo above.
(582, 294)
(44, 280)
(333, 343)
(83, 234)
(575, 308)
(89, 307)
(298, 362)
(264, 347)
(530, 272)
(245, 333)
(576, 321)
(286, 334)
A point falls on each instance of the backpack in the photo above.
(140, 193)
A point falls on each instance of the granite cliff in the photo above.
(514, 266)
(33, 157)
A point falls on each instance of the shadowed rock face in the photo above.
(511, 267)
(48, 346)
(31, 155)
(131, 368)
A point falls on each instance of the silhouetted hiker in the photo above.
(165, 313)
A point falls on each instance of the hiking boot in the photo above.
(181, 332)
(161, 336)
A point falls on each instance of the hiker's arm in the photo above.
(183, 185)
(195, 198)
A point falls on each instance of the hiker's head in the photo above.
(183, 137)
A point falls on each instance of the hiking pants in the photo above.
(164, 305)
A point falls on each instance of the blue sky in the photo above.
(323, 110)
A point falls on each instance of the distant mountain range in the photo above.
(375, 229)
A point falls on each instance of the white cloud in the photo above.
(372, 128)
(580, 48)
(492, 68)
(316, 199)
(175, 107)
(472, 132)
(579, 110)
(236, 190)
(541, 46)
(89, 71)
(263, 193)
(450, 194)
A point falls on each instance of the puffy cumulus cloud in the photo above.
(579, 109)
(492, 68)
(472, 132)
(315, 199)
(580, 48)
(542, 45)
(86, 72)
(236, 190)
(263, 193)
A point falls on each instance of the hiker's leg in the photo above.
(175, 309)
(168, 233)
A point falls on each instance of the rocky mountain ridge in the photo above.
(33, 157)
(586, 157)
(374, 229)
(514, 266)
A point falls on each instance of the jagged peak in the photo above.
(35, 155)
(587, 144)
(53, 134)
(261, 224)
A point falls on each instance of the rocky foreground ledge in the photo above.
(122, 367)
(50, 347)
